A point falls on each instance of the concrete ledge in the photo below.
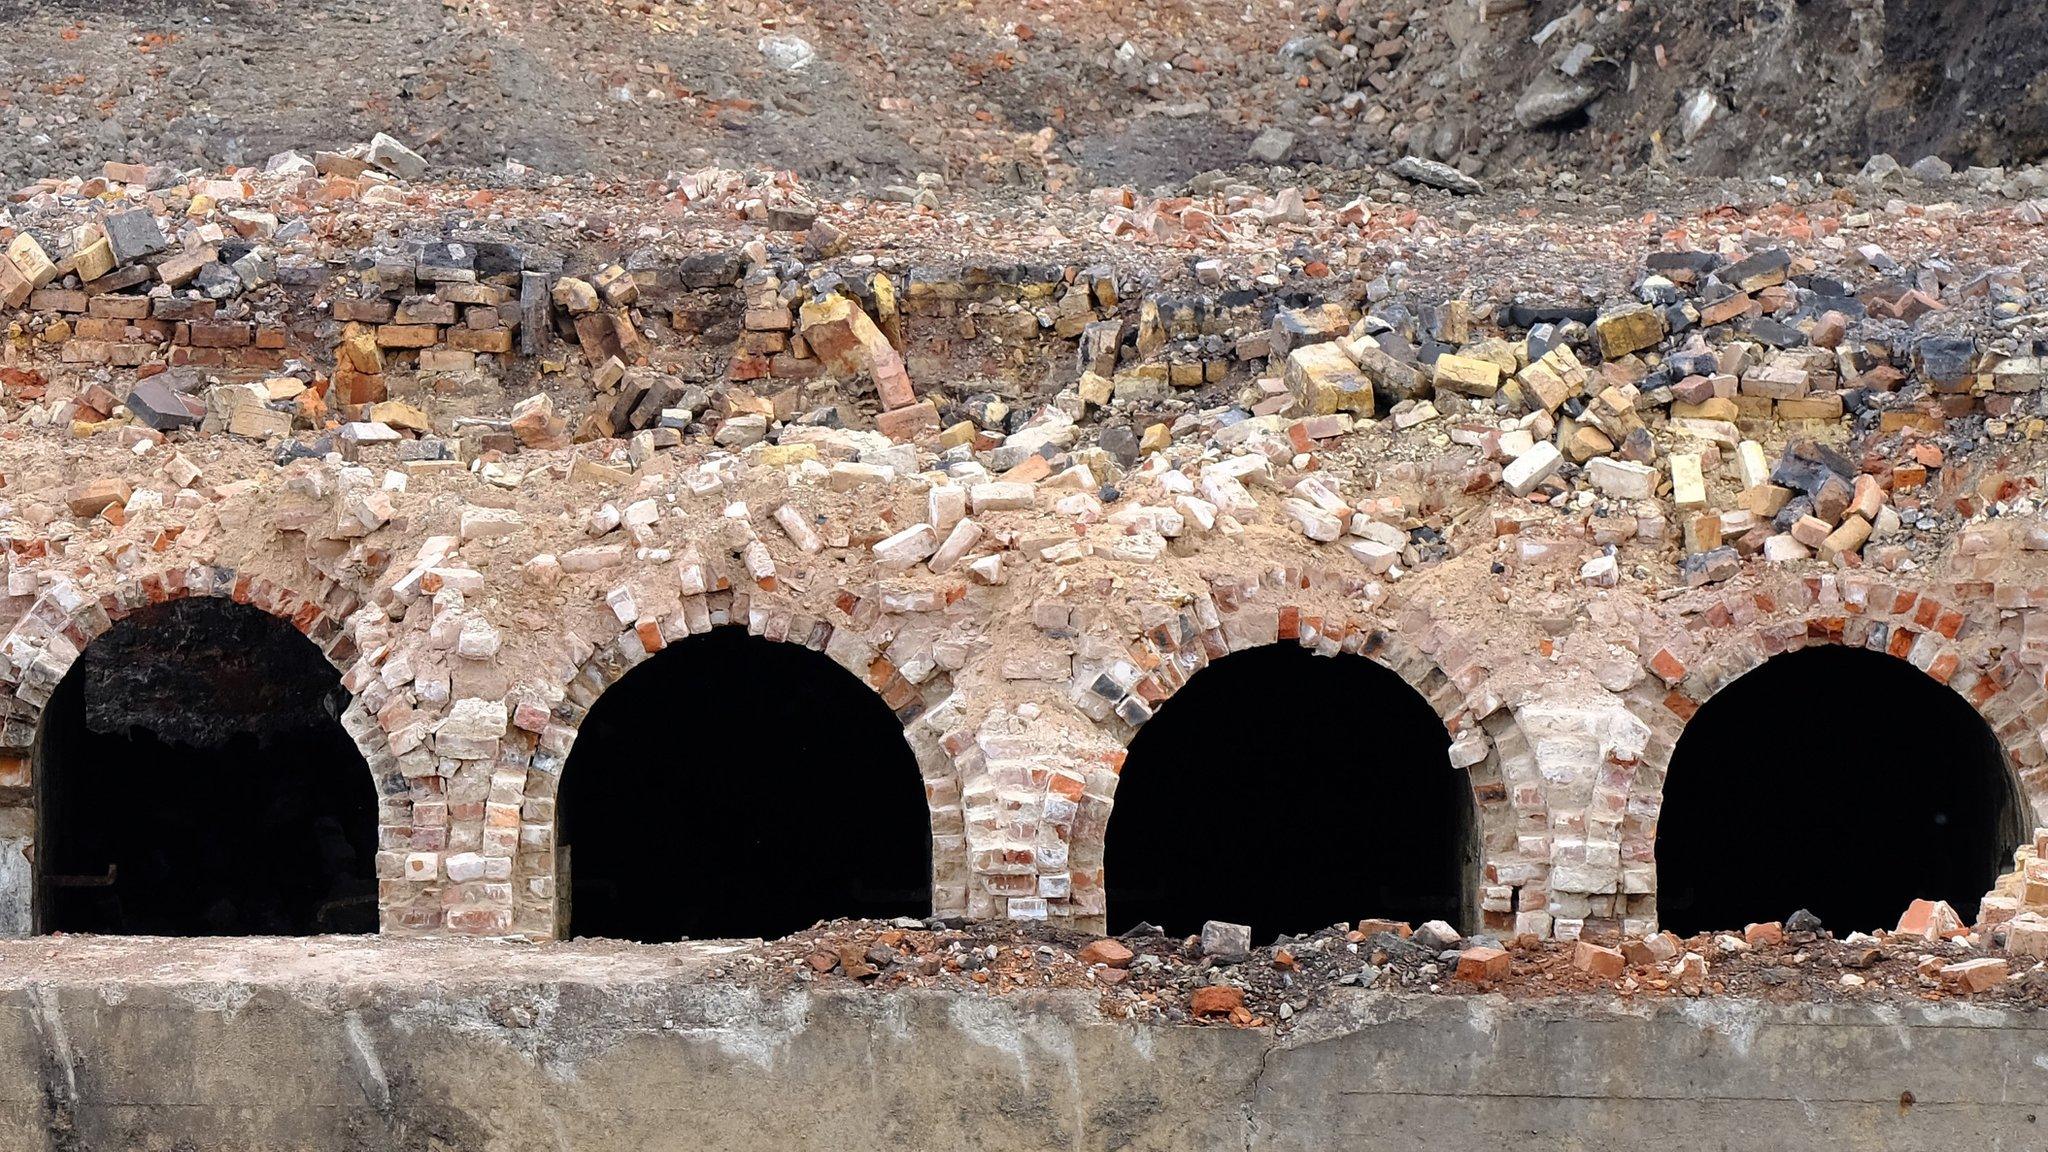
(480, 1047)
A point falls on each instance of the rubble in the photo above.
(1031, 461)
(1162, 979)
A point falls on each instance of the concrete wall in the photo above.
(564, 1048)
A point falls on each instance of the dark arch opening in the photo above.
(193, 778)
(1839, 780)
(1289, 791)
(732, 786)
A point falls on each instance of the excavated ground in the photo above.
(1059, 92)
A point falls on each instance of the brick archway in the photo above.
(1958, 636)
(1486, 740)
(541, 737)
(40, 649)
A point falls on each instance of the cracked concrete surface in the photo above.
(419, 1045)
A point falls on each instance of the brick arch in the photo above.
(1959, 635)
(41, 647)
(1512, 819)
(543, 734)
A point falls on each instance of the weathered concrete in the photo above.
(359, 1045)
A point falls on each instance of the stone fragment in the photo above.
(1226, 942)
(574, 296)
(1271, 146)
(1760, 270)
(1435, 175)
(153, 402)
(393, 157)
(1550, 98)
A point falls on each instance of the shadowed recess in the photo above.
(1289, 791)
(731, 786)
(193, 779)
(1839, 780)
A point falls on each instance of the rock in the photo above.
(387, 153)
(1931, 168)
(1435, 175)
(1227, 942)
(789, 53)
(1697, 113)
(1437, 935)
(1551, 98)
(1272, 146)
(1803, 921)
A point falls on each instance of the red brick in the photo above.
(1217, 1000)
(1110, 953)
(1606, 963)
(1483, 964)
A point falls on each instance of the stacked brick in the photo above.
(2018, 905)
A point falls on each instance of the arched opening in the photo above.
(1839, 780)
(1289, 791)
(732, 786)
(193, 779)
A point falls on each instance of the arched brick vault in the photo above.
(494, 870)
(1985, 641)
(1486, 739)
(42, 645)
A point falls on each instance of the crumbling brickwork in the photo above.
(491, 469)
